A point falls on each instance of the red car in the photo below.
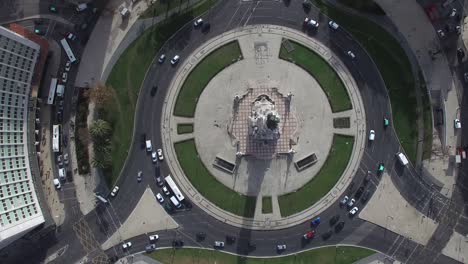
(431, 12)
(309, 235)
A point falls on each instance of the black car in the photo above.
(159, 181)
(460, 53)
(334, 219)
(327, 235)
(365, 197)
(177, 243)
(59, 117)
(230, 239)
(339, 227)
(154, 89)
(206, 27)
(143, 140)
(169, 208)
(359, 192)
(39, 21)
(200, 236)
(351, 185)
(306, 4)
(65, 141)
(367, 178)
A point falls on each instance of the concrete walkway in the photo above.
(147, 217)
(169, 124)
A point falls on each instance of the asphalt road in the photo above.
(104, 220)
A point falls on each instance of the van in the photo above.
(175, 202)
(149, 147)
(62, 174)
(402, 158)
(81, 7)
(60, 90)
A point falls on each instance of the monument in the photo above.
(262, 123)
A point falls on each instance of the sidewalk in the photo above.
(169, 124)
(377, 258)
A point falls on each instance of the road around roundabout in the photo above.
(224, 17)
(170, 127)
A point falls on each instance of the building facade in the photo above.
(19, 207)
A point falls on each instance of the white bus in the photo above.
(53, 86)
(174, 188)
(56, 138)
(68, 50)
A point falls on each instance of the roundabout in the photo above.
(246, 168)
(206, 136)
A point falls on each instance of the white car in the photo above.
(115, 191)
(126, 245)
(162, 58)
(175, 60)
(159, 198)
(313, 23)
(153, 238)
(57, 184)
(453, 12)
(333, 25)
(165, 190)
(67, 66)
(351, 203)
(65, 159)
(371, 135)
(344, 200)
(457, 123)
(64, 77)
(281, 247)
(218, 244)
(160, 154)
(353, 211)
(154, 157)
(198, 22)
(441, 33)
(351, 54)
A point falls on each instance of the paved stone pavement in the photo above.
(147, 217)
(169, 132)
(388, 209)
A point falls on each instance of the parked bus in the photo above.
(53, 87)
(56, 138)
(68, 51)
(174, 188)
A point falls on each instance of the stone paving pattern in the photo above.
(241, 123)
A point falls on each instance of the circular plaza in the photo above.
(264, 127)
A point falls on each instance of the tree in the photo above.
(102, 160)
(101, 95)
(99, 130)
